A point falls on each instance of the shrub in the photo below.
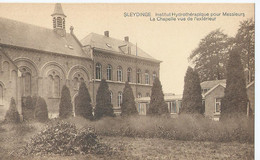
(41, 111)
(83, 105)
(63, 138)
(128, 104)
(12, 115)
(65, 107)
(103, 108)
(28, 109)
(186, 127)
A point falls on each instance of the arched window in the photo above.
(1, 63)
(59, 22)
(129, 70)
(77, 80)
(26, 81)
(111, 96)
(54, 85)
(1, 94)
(14, 83)
(6, 66)
(139, 95)
(147, 94)
(154, 76)
(98, 71)
(119, 74)
(56, 91)
(138, 78)
(54, 22)
(109, 72)
(119, 99)
(63, 22)
(147, 77)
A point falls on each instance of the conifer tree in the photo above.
(103, 108)
(192, 98)
(157, 104)
(83, 105)
(235, 100)
(28, 109)
(12, 115)
(128, 103)
(41, 110)
(65, 107)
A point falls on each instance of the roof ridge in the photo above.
(25, 23)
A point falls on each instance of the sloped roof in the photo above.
(211, 84)
(113, 45)
(33, 37)
(213, 88)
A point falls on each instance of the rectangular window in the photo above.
(217, 105)
(173, 107)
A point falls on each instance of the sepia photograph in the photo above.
(116, 81)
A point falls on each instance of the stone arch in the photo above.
(78, 69)
(25, 62)
(28, 77)
(50, 66)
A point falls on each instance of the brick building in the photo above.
(39, 61)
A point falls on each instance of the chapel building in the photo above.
(37, 61)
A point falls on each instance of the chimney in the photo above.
(106, 33)
(126, 38)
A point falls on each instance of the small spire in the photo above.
(58, 10)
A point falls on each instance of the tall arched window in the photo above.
(147, 94)
(14, 83)
(63, 23)
(77, 80)
(119, 99)
(129, 70)
(26, 82)
(59, 22)
(1, 63)
(147, 77)
(119, 74)
(138, 77)
(109, 72)
(56, 91)
(6, 66)
(111, 96)
(1, 94)
(154, 76)
(54, 85)
(98, 71)
(54, 22)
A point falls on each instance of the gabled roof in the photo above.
(211, 84)
(29, 36)
(114, 45)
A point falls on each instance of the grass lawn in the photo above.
(12, 138)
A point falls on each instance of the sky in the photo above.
(171, 42)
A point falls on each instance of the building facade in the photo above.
(36, 61)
